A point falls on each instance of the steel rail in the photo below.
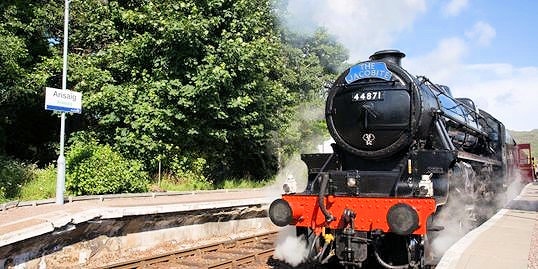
(218, 255)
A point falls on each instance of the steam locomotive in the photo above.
(404, 149)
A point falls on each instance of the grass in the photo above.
(169, 183)
(42, 186)
(242, 184)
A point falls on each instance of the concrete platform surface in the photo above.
(29, 220)
(508, 240)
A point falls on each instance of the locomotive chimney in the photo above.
(393, 56)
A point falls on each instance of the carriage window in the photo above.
(524, 156)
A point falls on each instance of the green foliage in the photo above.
(13, 174)
(42, 186)
(530, 137)
(188, 172)
(175, 183)
(242, 184)
(185, 79)
(171, 82)
(97, 169)
(26, 130)
(312, 62)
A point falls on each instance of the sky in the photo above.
(483, 50)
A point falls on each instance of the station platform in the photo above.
(23, 220)
(507, 240)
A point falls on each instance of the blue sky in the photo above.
(515, 24)
(484, 50)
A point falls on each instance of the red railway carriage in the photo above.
(525, 163)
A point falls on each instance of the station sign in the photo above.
(63, 100)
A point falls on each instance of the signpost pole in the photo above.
(60, 178)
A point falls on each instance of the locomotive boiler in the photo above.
(404, 149)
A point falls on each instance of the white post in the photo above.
(159, 172)
(60, 178)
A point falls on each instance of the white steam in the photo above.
(289, 247)
(295, 168)
(457, 219)
(362, 26)
(512, 191)
(454, 219)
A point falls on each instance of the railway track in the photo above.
(248, 252)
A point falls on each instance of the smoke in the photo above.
(512, 191)
(311, 113)
(289, 247)
(458, 218)
(362, 26)
(296, 169)
(454, 217)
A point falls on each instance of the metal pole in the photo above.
(60, 179)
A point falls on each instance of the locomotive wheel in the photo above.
(317, 256)
(316, 253)
(428, 256)
(312, 243)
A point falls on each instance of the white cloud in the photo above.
(482, 33)
(503, 90)
(441, 63)
(454, 7)
(362, 26)
(508, 98)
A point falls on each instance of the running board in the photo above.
(477, 158)
(435, 228)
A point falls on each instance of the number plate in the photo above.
(368, 96)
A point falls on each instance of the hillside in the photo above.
(527, 137)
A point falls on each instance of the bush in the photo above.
(42, 186)
(241, 184)
(12, 175)
(97, 169)
(187, 174)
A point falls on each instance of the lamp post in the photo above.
(60, 178)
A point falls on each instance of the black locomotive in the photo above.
(405, 148)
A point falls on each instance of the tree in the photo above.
(97, 169)
(312, 62)
(175, 79)
(212, 82)
(26, 130)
